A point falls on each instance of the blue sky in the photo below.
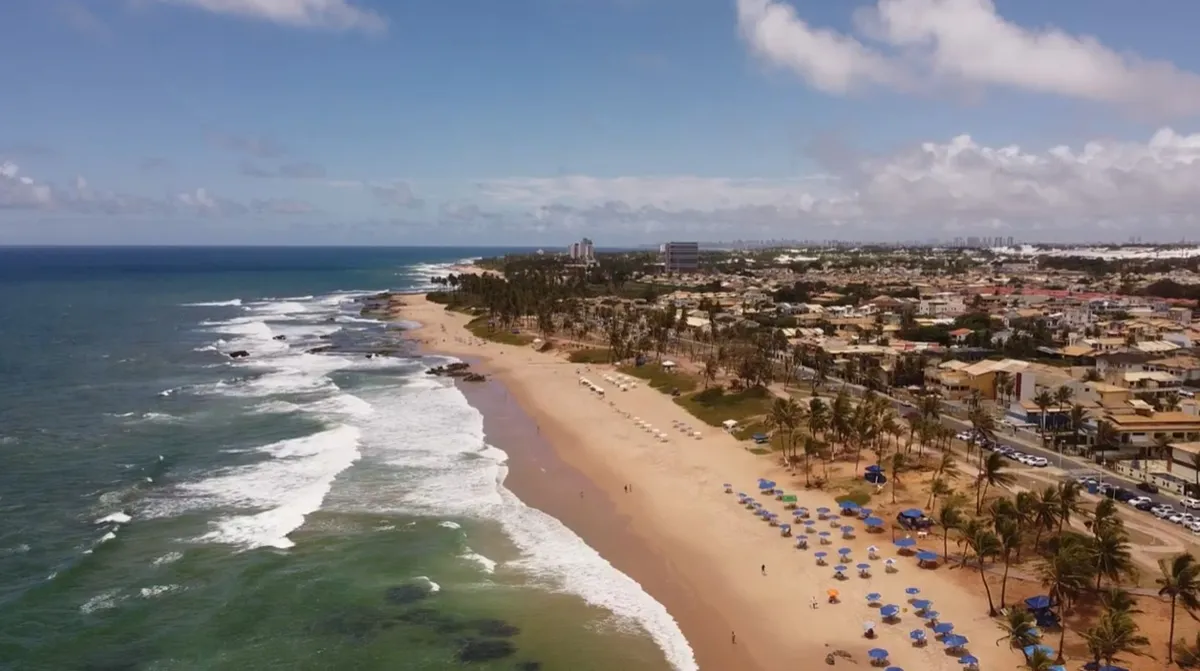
(538, 121)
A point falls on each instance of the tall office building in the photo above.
(681, 257)
(582, 251)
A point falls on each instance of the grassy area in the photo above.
(715, 405)
(860, 496)
(480, 328)
(664, 380)
(597, 355)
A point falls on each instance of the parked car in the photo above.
(1138, 500)
(1122, 495)
(1189, 502)
(1144, 506)
(1162, 512)
(1148, 487)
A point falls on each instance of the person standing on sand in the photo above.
(764, 569)
(733, 637)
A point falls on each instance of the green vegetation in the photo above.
(662, 379)
(482, 328)
(860, 496)
(596, 355)
(714, 405)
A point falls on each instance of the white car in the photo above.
(1139, 499)
(1195, 528)
(1174, 518)
(1162, 512)
(1038, 462)
(1188, 519)
(1189, 502)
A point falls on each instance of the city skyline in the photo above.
(368, 122)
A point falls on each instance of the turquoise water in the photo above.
(168, 507)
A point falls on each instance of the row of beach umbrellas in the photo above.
(622, 381)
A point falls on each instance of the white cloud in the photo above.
(398, 193)
(962, 42)
(20, 192)
(341, 15)
(932, 188)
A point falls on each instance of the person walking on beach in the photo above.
(814, 603)
(764, 569)
(733, 637)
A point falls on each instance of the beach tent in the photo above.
(874, 468)
(1039, 602)
(760, 438)
(729, 424)
(926, 557)
(668, 364)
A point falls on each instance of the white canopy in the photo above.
(729, 423)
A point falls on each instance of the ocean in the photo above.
(166, 506)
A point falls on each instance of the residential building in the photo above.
(582, 251)
(681, 257)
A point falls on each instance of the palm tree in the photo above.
(1020, 629)
(1004, 381)
(1040, 660)
(1043, 400)
(984, 543)
(818, 416)
(1008, 532)
(937, 489)
(984, 428)
(1181, 582)
(710, 371)
(1077, 417)
(1106, 436)
(1065, 574)
(897, 466)
(1068, 503)
(949, 517)
(785, 418)
(1169, 402)
(1105, 516)
(1111, 553)
(993, 472)
(1115, 633)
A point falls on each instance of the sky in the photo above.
(537, 122)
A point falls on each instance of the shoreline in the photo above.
(700, 553)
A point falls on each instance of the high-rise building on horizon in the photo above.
(583, 251)
(681, 257)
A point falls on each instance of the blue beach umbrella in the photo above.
(893, 668)
(1037, 602)
(906, 542)
(822, 509)
(785, 528)
(840, 568)
(847, 529)
(890, 610)
(968, 660)
(874, 468)
(821, 555)
(926, 555)
(955, 641)
(912, 591)
(823, 534)
(931, 615)
(916, 635)
(848, 505)
(922, 604)
(874, 597)
(877, 653)
(1030, 649)
(843, 551)
(873, 522)
(912, 513)
(863, 567)
(864, 511)
(943, 628)
(875, 478)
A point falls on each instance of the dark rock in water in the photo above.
(238, 354)
(474, 377)
(331, 320)
(450, 370)
(407, 593)
(279, 337)
(322, 349)
(324, 336)
(529, 666)
(491, 627)
(485, 649)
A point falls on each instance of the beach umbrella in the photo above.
(785, 528)
(968, 660)
(865, 512)
(926, 555)
(912, 591)
(840, 568)
(922, 604)
(872, 549)
(1037, 602)
(1030, 649)
(890, 610)
(906, 542)
(798, 513)
(847, 529)
(822, 510)
(820, 557)
(916, 635)
(790, 498)
(843, 551)
(874, 597)
(943, 628)
(955, 641)
(802, 509)
(863, 567)
(868, 625)
(728, 487)
(823, 534)
(877, 654)
(893, 668)
(889, 562)
(875, 478)
(848, 505)
(873, 522)
(931, 615)
(874, 468)
(833, 593)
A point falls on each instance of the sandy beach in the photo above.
(698, 552)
